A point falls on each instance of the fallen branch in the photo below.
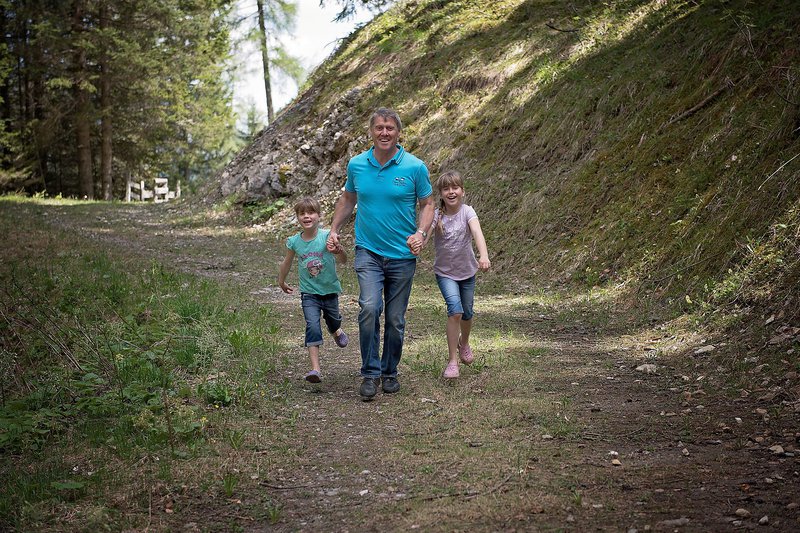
(552, 27)
(694, 109)
(779, 169)
(468, 494)
(494, 489)
(288, 487)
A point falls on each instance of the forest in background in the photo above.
(94, 92)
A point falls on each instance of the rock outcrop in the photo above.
(286, 160)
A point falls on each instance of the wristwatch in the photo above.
(424, 233)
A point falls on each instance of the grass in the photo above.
(216, 431)
(582, 145)
(115, 362)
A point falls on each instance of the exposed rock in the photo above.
(285, 160)
(647, 368)
(705, 349)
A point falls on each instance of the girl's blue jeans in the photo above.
(382, 280)
(316, 306)
(458, 295)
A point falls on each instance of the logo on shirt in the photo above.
(400, 181)
(314, 267)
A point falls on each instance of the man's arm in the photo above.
(426, 209)
(344, 209)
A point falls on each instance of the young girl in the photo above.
(454, 227)
(319, 284)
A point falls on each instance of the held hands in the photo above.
(415, 242)
(332, 244)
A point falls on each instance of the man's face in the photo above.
(384, 133)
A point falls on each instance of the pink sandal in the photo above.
(465, 354)
(451, 372)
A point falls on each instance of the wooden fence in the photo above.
(158, 192)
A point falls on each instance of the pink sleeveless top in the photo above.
(455, 258)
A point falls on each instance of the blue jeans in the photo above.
(382, 279)
(458, 295)
(316, 305)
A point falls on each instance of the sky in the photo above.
(313, 40)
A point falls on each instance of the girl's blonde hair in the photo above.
(451, 178)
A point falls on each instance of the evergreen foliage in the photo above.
(265, 26)
(145, 80)
(348, 7)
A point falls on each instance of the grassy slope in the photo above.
(635, 151)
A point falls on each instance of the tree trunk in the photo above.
(83, 131)
(41, 135)
(106, 152)
(5, 89)
(265, 59)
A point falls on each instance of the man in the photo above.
(387, 183)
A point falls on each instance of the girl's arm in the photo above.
(283, 271)
(480, 243)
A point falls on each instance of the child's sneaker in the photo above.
(313, 377)
(451, 372)
(341, 339)
(465, 354)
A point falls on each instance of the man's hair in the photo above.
(387, 114)
(307, 204)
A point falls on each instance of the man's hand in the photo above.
(332, 244)
(414, 243)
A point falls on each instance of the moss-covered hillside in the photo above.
(647, 145)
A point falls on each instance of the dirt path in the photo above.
(553, 428)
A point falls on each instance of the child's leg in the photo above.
(313, 354)
(466, 327)
(453, 323)
(311, 313)
(452, 298)
(331, 314)
(467, 292)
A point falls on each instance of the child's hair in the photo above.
(307, 204)
(451, 178)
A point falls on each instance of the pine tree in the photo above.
(273, 19)
(138, 85)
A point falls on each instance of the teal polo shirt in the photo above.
(387, 200)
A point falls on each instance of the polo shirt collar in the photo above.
(397, 158)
